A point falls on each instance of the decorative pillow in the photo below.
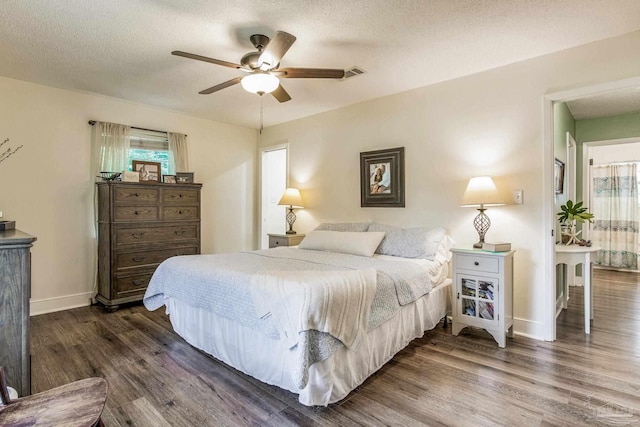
(346, 242)
(409, 242)
(436, 242)
(343, 226)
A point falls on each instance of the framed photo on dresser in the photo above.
(149, 171)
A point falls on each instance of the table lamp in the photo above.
(481, 192)
(291, 198)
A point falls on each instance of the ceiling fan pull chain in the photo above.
(261, 114)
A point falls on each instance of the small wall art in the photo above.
(382, 178)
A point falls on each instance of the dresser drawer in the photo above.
(180, 195)
(171, 213)
(135, 213)
(131, 285)
(478, 263)
(135, 194)
(125, 260)
(133, 235)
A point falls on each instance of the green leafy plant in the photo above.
(572, 213)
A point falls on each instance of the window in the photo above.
(149, 146)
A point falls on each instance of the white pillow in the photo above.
(346, 242)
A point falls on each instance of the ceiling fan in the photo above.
(263, 75)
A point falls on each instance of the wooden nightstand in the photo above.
(483, 292)
(276, 240)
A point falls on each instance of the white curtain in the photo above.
(614, 195)
(110, 147)
(178, 153)
(110, 142)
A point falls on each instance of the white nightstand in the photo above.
(276, 240)
(483, 292)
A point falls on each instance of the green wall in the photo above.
(602, 129)
(615, 127)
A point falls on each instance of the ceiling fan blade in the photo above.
(221, 86)
(275, 50)
(310, 73)
(280, 94)
(206, 59)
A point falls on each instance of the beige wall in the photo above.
(489, 123)
(47, 187)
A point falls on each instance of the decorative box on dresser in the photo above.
(139, 226)
(276, 240)
(15, 292)
(483, 292)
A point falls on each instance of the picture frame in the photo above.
(184, 177)
(558, 176)
(382, 178)
(169, 179)
(149, 171)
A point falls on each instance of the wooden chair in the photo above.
(77, 404)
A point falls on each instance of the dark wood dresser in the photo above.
(15, 292)
(139, 226)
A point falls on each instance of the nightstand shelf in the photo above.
(276, 240)
(483, 292)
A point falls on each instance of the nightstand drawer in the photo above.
(478, 263)
(276, 240)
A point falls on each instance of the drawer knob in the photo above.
(179, 212)
(179, 232)
(137, 258)
(137, 195)
(180, 196)
(137, 235)
(136, 213)
(138, 282)
(476, 263)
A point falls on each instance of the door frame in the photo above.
(548, 193)
(275, 147)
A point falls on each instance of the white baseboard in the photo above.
(528, 328)
(49, 305)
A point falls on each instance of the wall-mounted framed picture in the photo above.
(382, 178)
(149, 171)
(184, 177)
(169, 179)
(558, 176)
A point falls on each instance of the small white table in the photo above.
(573, 255)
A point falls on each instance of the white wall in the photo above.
(47, 187)
(604, 154)
(489, 123)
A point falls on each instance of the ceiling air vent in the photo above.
(352, 72)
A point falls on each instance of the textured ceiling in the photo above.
(121, 48)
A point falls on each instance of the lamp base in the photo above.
(477, 245)
(290, 232)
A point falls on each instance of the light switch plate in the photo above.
(518, 196)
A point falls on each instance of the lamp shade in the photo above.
(260, 83)
(481, 191)
(291, 197)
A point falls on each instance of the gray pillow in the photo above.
(343, 226)
(409, 242)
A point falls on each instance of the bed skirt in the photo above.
(270, 360)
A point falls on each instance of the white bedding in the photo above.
(273, 361)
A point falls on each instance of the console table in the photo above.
(573, 255)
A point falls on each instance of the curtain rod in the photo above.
(93, 122)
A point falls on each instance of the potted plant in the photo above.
(571, 214)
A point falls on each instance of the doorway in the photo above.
(273, 179)
(629, 85)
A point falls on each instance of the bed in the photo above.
(317, 319)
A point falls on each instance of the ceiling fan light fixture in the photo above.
(260, 83)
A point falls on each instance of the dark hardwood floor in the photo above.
(156, 379)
